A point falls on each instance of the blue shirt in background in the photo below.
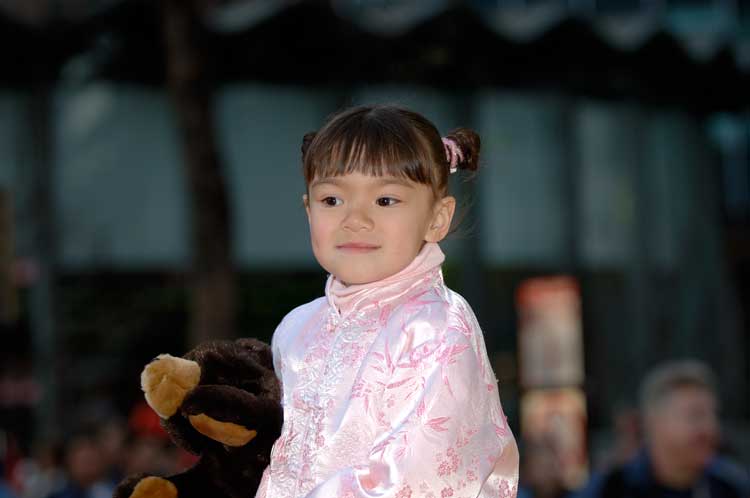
(721, 479)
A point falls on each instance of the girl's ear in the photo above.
(306, 202)
(441, 219)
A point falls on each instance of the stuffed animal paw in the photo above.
(152, 487)
(221, 402)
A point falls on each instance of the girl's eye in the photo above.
(387, 201)
(331, 201)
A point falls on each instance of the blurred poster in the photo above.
(559, 417)
(550, 343)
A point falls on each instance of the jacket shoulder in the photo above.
(297, 317)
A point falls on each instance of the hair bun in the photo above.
(306, 141)
(469, 143)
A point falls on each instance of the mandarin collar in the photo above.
(423, 270)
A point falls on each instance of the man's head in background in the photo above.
(680, 415)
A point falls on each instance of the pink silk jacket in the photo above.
(388, 392)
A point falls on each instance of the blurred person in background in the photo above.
(5, 491)
(540, 470)
(111, 437)
(148, 455)
(148, 448)
(85, 469)
(627, 437)
(42, 472)
(679, 410)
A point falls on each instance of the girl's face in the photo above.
(366, 228)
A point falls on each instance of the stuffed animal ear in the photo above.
(166, 381)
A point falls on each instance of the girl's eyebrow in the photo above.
(323, 181)
(383, 182)
(395, 181)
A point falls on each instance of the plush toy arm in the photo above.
(232, 416)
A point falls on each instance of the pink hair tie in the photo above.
(453, 153)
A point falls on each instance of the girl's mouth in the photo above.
(357, 247)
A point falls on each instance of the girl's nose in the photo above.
(357, 219)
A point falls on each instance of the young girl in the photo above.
(387, 389)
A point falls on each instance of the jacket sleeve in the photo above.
(443, 430)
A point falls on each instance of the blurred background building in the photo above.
(616, 153)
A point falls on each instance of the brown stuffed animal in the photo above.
(221, 402)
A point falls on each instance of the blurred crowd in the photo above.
(89, 462)
(668, 447)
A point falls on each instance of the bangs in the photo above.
(373, 147)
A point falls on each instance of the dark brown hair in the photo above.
(384, 140)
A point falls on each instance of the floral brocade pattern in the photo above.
(393, 397)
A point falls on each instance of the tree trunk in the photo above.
(8, 299)
(48, 346)
(212, 276)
